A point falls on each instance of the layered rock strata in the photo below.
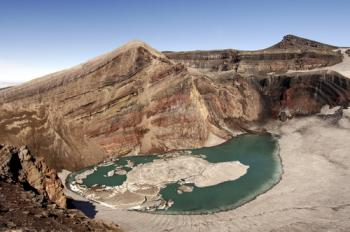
(18, 165)
(303, 93)
(136, 100)
(132, 100)
(292, 41)
(291, 53)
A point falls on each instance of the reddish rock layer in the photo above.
(133, 100)
(136, 100)
(304, 93)
(291, 53)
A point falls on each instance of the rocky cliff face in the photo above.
(303, 93)
(18, 165)
(24, 211)
(32, 199)
(133, 100)
(291, 53)
(292, 41)
(136, 100)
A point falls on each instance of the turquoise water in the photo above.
(98, 176)
(260, 152)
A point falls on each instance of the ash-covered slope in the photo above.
(132, 100)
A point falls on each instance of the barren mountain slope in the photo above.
(291, 53)
(132, 100)
(135, 100)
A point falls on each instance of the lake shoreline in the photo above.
(244, 200)
(300, 198)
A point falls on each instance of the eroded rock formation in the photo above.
(304, 93)
(136, 100)
(23, 211)
(131, 100)
(292, 41)
(291, 53)
(32, 198)
(18, 165)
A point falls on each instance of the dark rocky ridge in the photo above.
(32, 199)
(22, 210)
(291, 53)
(292, 41)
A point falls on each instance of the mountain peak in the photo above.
(135, 44)
(133, 47)
(292, 41)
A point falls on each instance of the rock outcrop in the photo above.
(24, 211)
(348, 52)
(18, 165)
(32, 198)
(292, 41)
(303, 93)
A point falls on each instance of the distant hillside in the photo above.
(291, 53)
(6, 84)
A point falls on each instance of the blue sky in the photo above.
(41, 36)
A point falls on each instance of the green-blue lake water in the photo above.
(260, 152)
